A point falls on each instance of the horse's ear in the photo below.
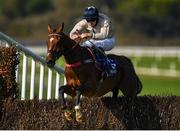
(62, 26)
(49, 29)
(58, 29)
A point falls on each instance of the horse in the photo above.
(82, 74)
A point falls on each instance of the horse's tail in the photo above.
(139, 85)
(138, 81)
(129, 63)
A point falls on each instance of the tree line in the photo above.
(152, 17)
(12, 9)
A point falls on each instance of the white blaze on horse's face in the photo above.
(51, 39)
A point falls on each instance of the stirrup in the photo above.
(110, 72)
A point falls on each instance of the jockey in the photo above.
(97, 28)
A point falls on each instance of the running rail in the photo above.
(8, 41)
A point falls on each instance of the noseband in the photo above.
(55, 34)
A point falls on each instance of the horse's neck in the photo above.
(73, 53)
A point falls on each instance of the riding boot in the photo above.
(109, 69)
(100, 54)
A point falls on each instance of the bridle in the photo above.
(55, 34)
(57, 54)
(54, 53)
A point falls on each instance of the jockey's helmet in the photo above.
(91, 13)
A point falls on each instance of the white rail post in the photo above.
(17, 77)
(33, 76)
(24, 72)
(7, 45)
(65, 95)
(41, 82)
(57, 86)
(49, 84)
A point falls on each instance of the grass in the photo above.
(163, 86)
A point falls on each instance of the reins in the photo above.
(56, 34)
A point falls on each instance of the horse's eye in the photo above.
(58, 38)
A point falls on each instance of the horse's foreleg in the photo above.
(67, 90)
(77, 107)
(61, 96)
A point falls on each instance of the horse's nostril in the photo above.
(50, 63)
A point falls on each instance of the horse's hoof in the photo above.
(68, 115)
(79, 118)
(78, 114)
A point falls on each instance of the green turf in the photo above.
(154, 85)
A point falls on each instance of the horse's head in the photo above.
(54, 48)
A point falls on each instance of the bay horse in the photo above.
(82, 75)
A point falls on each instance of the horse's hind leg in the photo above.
(130, 91)
(115, 92)
(65, 89)
(139, 85)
